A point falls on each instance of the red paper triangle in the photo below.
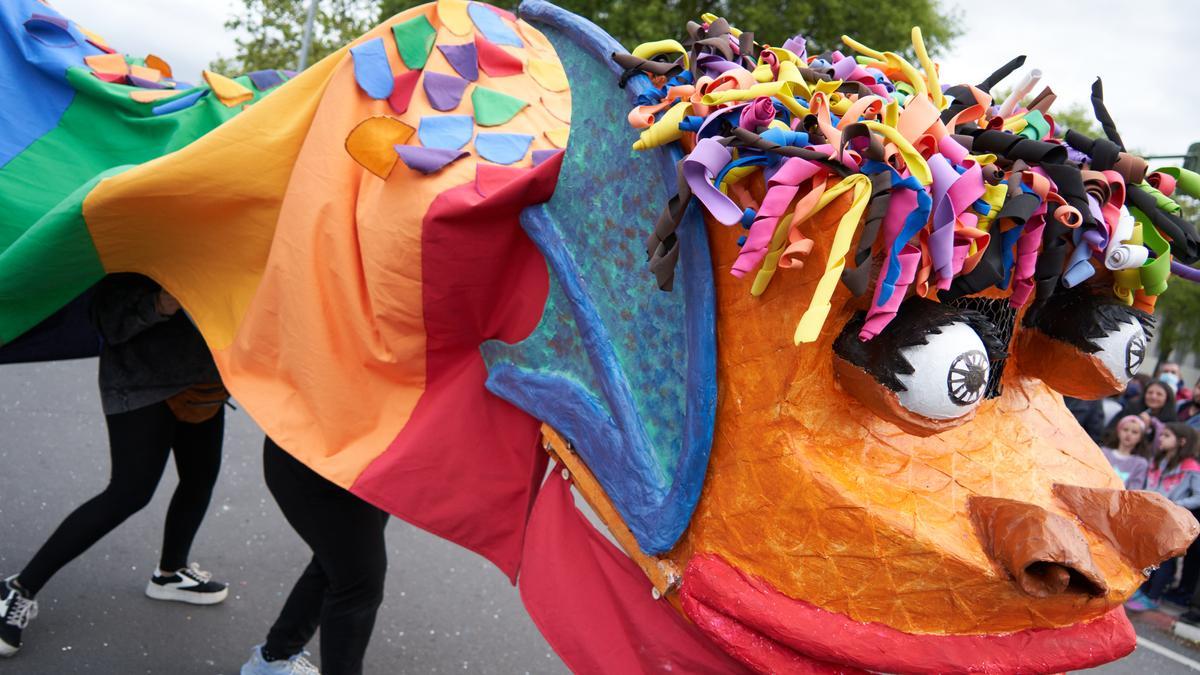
(402, 90)
(490, 178)
(495, 61)
(118, 78)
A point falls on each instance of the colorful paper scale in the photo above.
(371, 68)
(493, 108)
(414, 39)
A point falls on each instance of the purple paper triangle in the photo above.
(145, 84)
(463, 58)
(540, 156)
(444, 91)
(265, 79)
(428, 160)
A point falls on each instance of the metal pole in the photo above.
(308, 30)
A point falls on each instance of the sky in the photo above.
(1147, 51)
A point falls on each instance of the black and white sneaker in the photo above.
(189, 584)
(16, 611)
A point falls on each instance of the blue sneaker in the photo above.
(297, 665)
(1140, 602)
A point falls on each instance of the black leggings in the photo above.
(341, 589)
(140, 442)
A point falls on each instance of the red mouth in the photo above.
(771, 632)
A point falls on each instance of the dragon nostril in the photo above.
(1054, 578)
(1043, 552)
(1144, 527)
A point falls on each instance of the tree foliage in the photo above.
(269, 31)
(1178, 309)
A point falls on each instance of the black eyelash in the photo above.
(918, 318)
(1079, 316)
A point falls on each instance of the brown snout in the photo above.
(1045, 553)
(1144, 527)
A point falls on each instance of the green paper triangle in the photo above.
(493, 108)
(414, 39)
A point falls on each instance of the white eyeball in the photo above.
(1123, 350)
(950, 374)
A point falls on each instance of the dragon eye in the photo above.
(950, 374)
(1122, 350)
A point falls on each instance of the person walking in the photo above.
(160, 391)
(341, 589)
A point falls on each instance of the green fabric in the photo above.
(493, 108)
(414, 39)
(1036, 127)
(1164, 202)
(1186, 181)
(48, 266)
(1155, 272)
(44, 243)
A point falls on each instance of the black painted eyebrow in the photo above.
(918, 318)
(1082, 315)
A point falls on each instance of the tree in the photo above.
(1178, 309)
(270, 31)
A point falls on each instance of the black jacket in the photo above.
(146, 357)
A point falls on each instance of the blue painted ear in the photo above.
(624, 371)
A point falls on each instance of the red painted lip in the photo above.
(771, 632)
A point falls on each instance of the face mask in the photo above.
(1171, 380)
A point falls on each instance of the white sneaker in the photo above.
(189, 584)
(297, 665)
(16, 611)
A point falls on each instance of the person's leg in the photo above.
(1160, 579)
(139, 442)
(1190, 574)
(198, 462)
(301, 614)
(346, 536)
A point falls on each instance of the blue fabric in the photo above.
(502, 148)
(492, 26)
(371, 69)
(449, 132)
(177, 104)
(33, 83)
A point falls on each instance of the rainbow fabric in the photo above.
(343, 244)
(76, 111)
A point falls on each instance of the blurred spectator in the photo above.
(1125, 447)
(1089, 414)
(1175, 474)
(1168, 372)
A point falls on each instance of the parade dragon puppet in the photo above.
(824, 423)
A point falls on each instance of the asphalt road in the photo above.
(446, 610)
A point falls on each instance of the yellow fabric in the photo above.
(226, 90)
(453, 15)
(548, 74)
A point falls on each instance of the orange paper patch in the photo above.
(109, 64)
(159, 64)
(150, 74)
(372, 143)
(152, 95)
